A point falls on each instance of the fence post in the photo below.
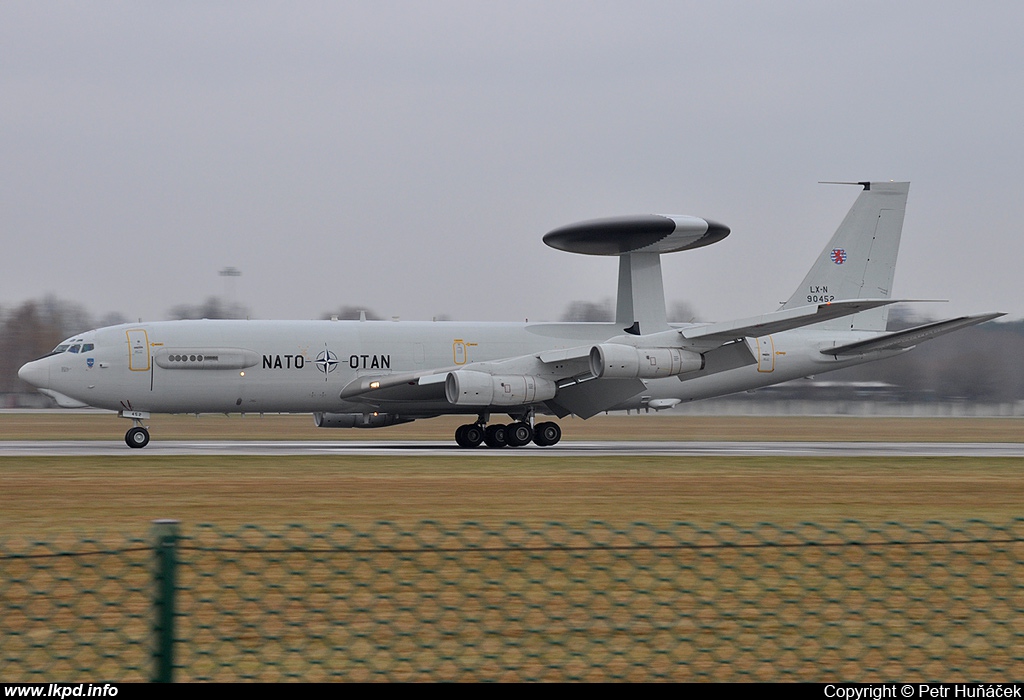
(165, 542)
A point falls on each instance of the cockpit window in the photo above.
(71, 347)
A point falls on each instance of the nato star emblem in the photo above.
(326, 361)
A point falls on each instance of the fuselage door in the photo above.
(138, 351)
(459, 351)
(765, 354)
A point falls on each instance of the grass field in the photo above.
(57, 494)
(885, 626)
(50, 494)
(61, 494)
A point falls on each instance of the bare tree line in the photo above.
(32, 329)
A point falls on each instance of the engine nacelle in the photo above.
(357, 420)
(466, 387)
(617, 361)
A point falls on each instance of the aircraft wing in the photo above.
(567, 368)
(778, 321)
(569, 365)
(901, 340)
(582, 393)
(587, 399)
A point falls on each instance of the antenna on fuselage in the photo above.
(639, 242)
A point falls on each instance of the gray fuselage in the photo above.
(234, 366)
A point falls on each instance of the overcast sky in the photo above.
(408, 157)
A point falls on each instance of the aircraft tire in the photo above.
(137, 438)
(469, 435)
(519, 434)
(547, 434)
(495, 436)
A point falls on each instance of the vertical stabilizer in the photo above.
(860, 260)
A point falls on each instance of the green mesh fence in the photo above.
(76, 609)
(519, 602)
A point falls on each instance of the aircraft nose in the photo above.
(36, 373)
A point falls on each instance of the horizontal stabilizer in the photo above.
(901, 340)
(784, 320)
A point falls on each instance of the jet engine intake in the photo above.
(466, 387)
(358, 420)
(617, 361)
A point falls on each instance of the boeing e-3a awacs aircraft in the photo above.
(369, 374)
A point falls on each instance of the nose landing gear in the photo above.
(138, 436)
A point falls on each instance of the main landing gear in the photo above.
(516, 434)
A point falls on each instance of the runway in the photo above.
(440, 448)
